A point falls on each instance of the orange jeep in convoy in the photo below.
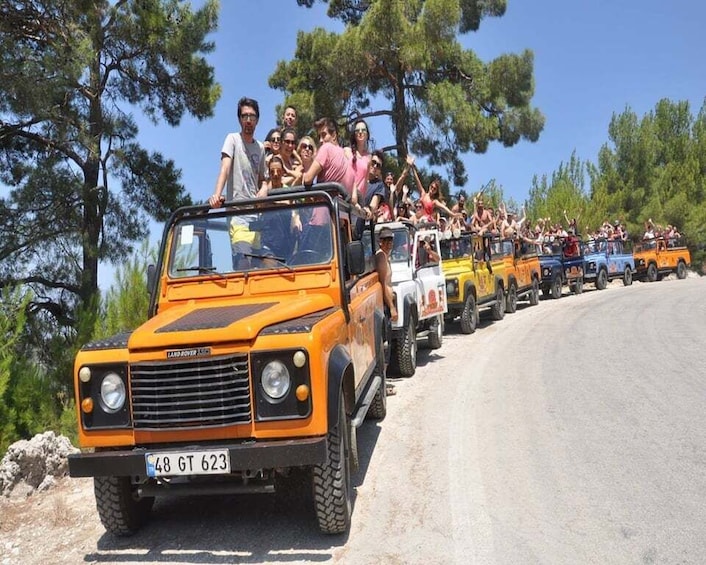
(521, 273)
(262, 354)
(658, 257)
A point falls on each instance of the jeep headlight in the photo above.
(591, 266)
(275, 380)
(546, 272)
(452, 287)
(113, 393)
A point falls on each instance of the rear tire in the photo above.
(497, 311)
(469, 315)
(511, 299)
(681, 270)
(436, 332)
(534, 294)
(378, 408)
(627, 276)
(602, 279)
(578, 286)
(332, 480)
(119, 509)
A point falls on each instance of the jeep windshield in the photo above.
(283, 237)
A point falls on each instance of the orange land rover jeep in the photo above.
(262, 354)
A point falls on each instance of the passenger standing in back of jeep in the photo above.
(242, 173)
(383, 267)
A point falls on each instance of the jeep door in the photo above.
(428, 277)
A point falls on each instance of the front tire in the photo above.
(469, 315)
(407, 350)
(511, 299)
(556, 287)
(627, 276)
(119, 509)
(652, 272)
(436, 332)
(332, 480)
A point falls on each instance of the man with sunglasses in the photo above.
(243, 173)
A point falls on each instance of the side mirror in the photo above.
(151, 278)
(355, 257)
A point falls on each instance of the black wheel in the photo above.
(627, 276)
(511, 299)
(469, 315)
(556, 287)
(378, 408)
(602, 279)
(332, 480)
(534, 293)
(652, 272)
(546, 290)
(681, 270)
(407, 350)
(577, 287)
(497, 311)
(120, 510)
(436, 332)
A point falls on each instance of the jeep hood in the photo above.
(216, 322)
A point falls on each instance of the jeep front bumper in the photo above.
(244, 456)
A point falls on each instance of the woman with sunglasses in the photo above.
(293, 169)
(307, 151)
(359, 155)
(273, 143)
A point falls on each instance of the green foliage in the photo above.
(443, 100)
(29, 401)
(70, 72)
(127, 301)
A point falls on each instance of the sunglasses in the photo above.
(386, 239)
(417, 207)
(289, 142)
(275, 139)
(306, 146)
(248, 117)
(361, 130)
(376, 164)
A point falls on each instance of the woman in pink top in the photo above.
(359, 154)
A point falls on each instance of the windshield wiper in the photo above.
(202, 270)
(280, 260)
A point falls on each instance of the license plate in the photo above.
(208, 462)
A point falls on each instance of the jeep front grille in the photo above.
(206, 392)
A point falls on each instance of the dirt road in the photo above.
(570, 432)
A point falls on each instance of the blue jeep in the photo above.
(608, 259)
(562, 263)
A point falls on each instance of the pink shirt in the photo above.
(360, 174)
(335, 167)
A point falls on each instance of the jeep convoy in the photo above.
(262, 354)
(659, 257)
(265, 347)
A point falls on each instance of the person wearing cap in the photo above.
(386, 240)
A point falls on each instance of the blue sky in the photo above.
(593, 58)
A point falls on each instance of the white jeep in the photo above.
(420, 292)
